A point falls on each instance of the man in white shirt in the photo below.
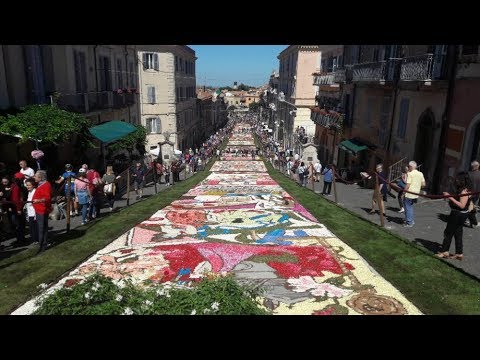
(25, 170)
(415, 181)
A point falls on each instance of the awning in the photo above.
(349, 145)
(112, 131)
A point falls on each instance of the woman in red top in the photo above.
(16, 209)
(42, 203)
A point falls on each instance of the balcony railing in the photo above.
(118, 100)
(343, 75)
(324, 79)
(73, 102)
(327, 119)
(376, 71)
(422, 68)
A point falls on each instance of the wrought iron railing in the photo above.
(324, 79)
(422, 68)
(376, 71)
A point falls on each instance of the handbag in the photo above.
(108, 188)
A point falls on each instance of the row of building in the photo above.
(358, 105)
(151, 85)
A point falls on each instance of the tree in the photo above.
(135, 140)
(254, 106)
(243, 87)
(46, 123)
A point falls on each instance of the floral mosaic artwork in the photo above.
(239, 166)
(240, 221)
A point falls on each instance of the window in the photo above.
(382, 135)
(151, 94)
(119, 74)
(105, 76)
(403, 117)
(150, 61)
(470, 50)
(176, 63)
(153, 125)
(368, 111)
(80, 71)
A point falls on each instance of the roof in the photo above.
(112, 131)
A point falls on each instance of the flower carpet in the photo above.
(240, 221)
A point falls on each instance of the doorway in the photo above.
(424, 143)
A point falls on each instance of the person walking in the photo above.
(82, 193)
(382, 189)
(42, 204)
(69, 172)
(415, 181)
(458, 214)
(138, 174)
(166, 173)
(110, 187)
(95, 183)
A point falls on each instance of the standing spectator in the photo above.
(301, 173)
(82, 193)
(32, 220)
(110, 187)
(401, 184)
(158, 171)
(166, 173)
(16, 209)
(318, 171)
(415, 181)
(43, 206)
(95, 183)
(27, 172)
(138, 174)
(69, 172)
(311, 173)
(458, 215)
(327, 180)
(382, 189)
(475, 179)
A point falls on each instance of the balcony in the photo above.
(380, 71)
(344, 75)
(324, 79)
(327, 119)
(425, 67)
(73, 102)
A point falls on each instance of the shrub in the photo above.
(99, 295)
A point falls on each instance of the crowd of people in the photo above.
(464, 202)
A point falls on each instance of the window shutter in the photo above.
(155, 61)
(149, 94)
(149, 125)
(154, 99)
(144, 58)
(403, 118)
(158, 129)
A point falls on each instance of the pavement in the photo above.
(430, 222)
(8, 246)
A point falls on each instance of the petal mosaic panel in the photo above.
(239, 220)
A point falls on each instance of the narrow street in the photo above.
(240, 221)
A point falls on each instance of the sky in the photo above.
(221, 65)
